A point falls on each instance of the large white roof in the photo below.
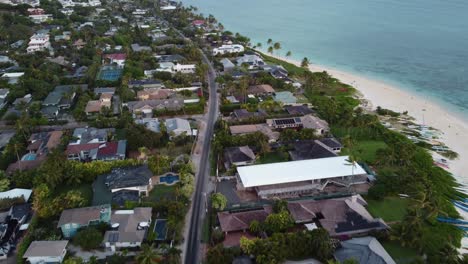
(296, 171)
(13, 193)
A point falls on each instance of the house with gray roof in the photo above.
(170, 58)
(178, 126)
(148, 106)
(227, 65)
(238, 156)
(129, 228)
(365, 250)
(137, 48)
(130, 178)
(5, 137)
(63, 95)
(46, 252)
(311, 149)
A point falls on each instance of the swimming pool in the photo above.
(169, 178)
(29, 156)
(160, 228)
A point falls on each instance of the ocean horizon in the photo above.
(418, 46)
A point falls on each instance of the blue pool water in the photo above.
(169, 178)
(160, 227)
(29, 157)
(419, 45)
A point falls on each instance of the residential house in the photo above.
(178, 126)
(3, 95)
(298, 110)
(238, 156)
(365, 250)
(85, 135)
(312, 122)
(130, 178)
(60, 60)
(261, 90)
(79, 44)
(315, 149)
(154, 94)
(137, 48)
(148, 106)
(286, 98)
(63, 95)
(129, 228)
(146, 84)
(341, 217)
(38, 15)
(115, 58)
(174, 58)
(308, 121)
(107, 151)
(236, 224)
(245, 114)
(95, 106)
(14, 220)
(303, 177)
(25, 100)
(12, 77)
(227, 65)
(40, 252)
(273, 136)
(151, 124)
(38, 42)
(198, 23)
(251, 60)
(40, 144)
(184, 68)
(66, 35)
(104, 90)
(71, 220)
(5, 137)
(226, 49)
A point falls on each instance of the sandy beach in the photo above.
(455, 130)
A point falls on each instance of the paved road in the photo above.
(198, 203)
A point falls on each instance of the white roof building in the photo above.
(304, 177)
(178, 126)
(224, 49)
(15, 193)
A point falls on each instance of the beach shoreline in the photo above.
(424, 111)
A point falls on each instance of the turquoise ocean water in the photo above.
(420, 46)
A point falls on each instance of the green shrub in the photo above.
(89, 238)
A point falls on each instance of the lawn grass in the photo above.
(85, 189)
(390, 209)
(161, 192)
(272, 157)
(366, 150)
(400, 254)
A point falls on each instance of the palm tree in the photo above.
(259, 45)
(305, 62)
(277, 46)
(270, 50)
(148, 255)
(288, 54)
(269, 41)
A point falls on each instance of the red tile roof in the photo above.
(116, 56)
(74, 149)
(108, 149)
